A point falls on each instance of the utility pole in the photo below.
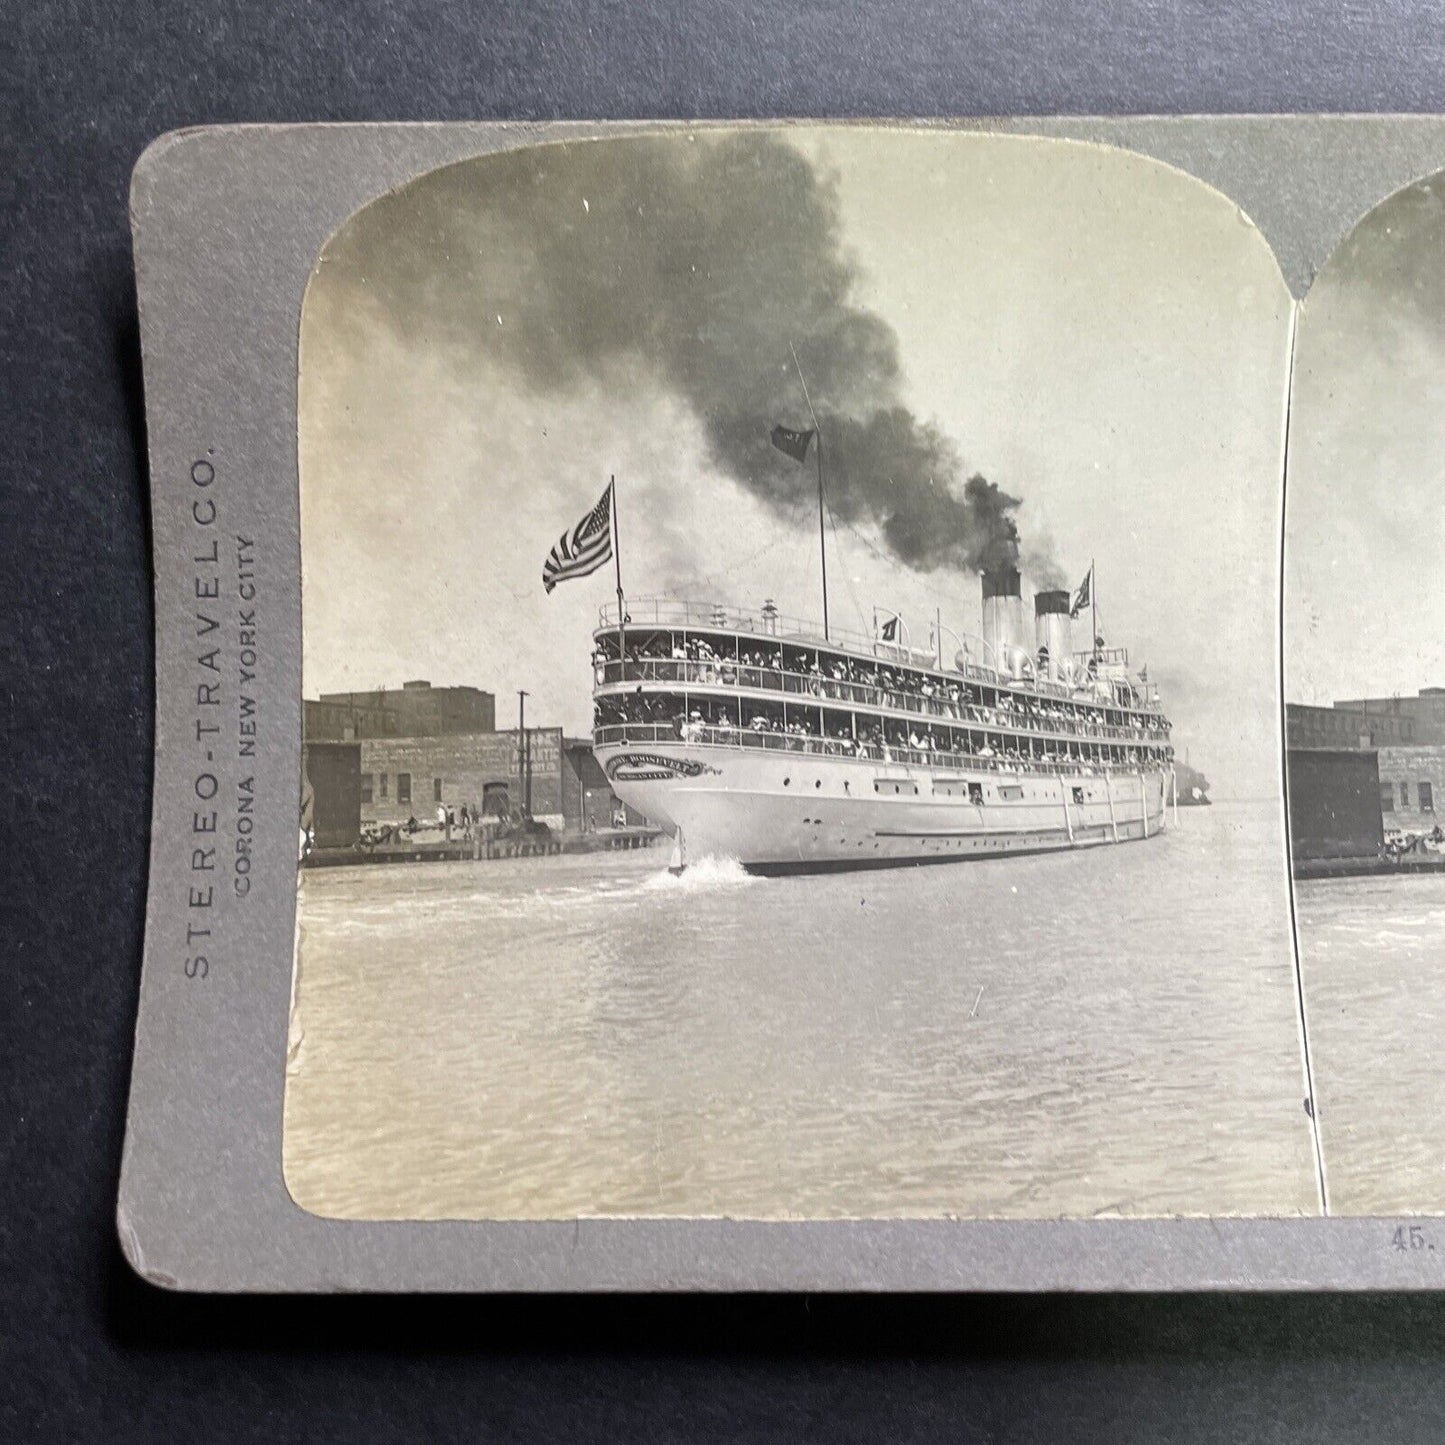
(524, 751)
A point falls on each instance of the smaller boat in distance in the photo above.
(1193, 786)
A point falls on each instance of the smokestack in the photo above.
(1003, 616)
(1053, 631)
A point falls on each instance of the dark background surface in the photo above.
(88, 1352)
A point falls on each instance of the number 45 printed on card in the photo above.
(1410, 1237)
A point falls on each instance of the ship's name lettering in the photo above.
(648, 767)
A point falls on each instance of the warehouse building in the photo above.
(419, 748)
(1346, 725)
(493, 775)
(488, 773)
(1412, 787)
(415, 710)
(1422, 717)
(1363, 770)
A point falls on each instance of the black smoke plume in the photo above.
(699, 262)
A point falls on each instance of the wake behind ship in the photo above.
(792, 748)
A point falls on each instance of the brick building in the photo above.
(415, 710)
(1346, 725)
(420, 746)
(488, 773)
(332, 722)
(1423, 715)
(1412, 787)
(1397, 785)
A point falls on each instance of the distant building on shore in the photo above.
(388, 755)
(1421, 718)
(1346, 725)
(1412, 786)
(414, 710)
(1362, 769)
(492, 775)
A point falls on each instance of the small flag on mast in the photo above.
(585, 548)
(794, 443)
(889, 631)
(1083, 595)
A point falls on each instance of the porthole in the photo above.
(819, 783)
(786, 781)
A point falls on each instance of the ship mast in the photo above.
(822, 505)
(617, 564)
(1094, 612)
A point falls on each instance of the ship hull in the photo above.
(792, 812)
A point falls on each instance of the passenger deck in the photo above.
(715, 676)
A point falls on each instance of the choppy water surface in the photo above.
(1371, 951)
(1111, 1031)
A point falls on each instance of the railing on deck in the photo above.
(717, 737)
(1104, 656)
(722, 617)
(714, 617)
(731, 676)
(680, 613)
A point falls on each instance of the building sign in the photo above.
(544, 750)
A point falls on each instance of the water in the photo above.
(1107, 1032)
(1369, 948)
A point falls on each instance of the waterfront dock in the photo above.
(1410, 864)
(458, 850)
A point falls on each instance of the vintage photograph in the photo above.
(1365, 689)
(700, 535)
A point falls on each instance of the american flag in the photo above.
(585, 548)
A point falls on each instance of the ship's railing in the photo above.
(724, 617)
(716, 617)
(731, 676)
(708, 736)
(1104, 656)
(939, 681)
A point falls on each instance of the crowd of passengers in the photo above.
(886, 741)
(844, 679)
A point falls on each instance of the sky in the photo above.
(1102, 338)
(1365, 530)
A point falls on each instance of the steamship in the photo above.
(792, 747)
